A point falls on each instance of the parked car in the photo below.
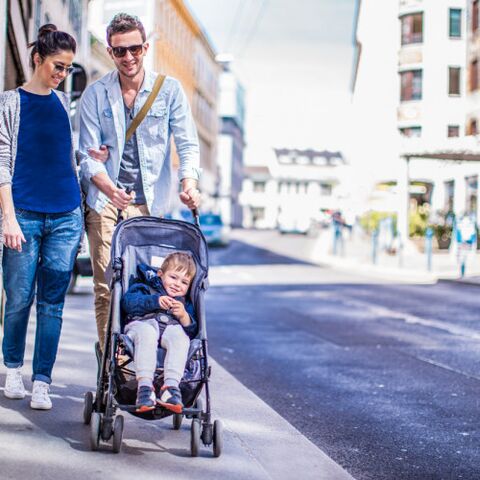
(216, 233)
(82, 266)
(294, 222)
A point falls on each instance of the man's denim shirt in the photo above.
(102, 121)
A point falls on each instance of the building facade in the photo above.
(298, 183)
(431, 86)
(231, 144)
(20, 21)
(183, 50)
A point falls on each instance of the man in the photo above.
(141, 164)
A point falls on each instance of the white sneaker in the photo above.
(14, 384)
(40, 399)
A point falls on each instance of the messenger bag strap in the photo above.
(146, 107)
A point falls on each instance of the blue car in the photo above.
(214, 230)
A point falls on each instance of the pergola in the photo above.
(464, 149)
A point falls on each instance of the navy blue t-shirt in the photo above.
(44, 178)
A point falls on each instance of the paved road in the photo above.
(383, 377)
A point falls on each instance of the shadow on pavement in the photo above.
(240, 253)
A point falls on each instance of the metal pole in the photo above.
(428, 247)
(403, 187)
(374, 246)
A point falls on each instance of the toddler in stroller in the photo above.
(147, 305)
(158, 312)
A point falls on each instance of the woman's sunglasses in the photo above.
(135, 50)
(61, 68)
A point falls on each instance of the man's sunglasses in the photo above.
(135, 50)
(61, 68)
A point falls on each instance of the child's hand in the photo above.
(178, 310)
(165, 302)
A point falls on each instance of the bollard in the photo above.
(374, 246)
(400, 250)
(428, 247)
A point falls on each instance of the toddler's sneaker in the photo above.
(171, 399)
(145, 399)
(40, 398)
(14, 384)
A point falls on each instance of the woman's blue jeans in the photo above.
(45, 265)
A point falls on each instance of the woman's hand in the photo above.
(12, 233)
(101, 155)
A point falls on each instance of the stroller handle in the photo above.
(128, 191)
(196, 216)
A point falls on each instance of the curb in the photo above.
(465, 281)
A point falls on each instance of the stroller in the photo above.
(148, 240)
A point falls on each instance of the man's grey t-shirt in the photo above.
(130, 175)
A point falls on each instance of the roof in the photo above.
(460, 149)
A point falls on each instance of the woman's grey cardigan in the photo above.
(9, 124)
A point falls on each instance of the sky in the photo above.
(294, 59)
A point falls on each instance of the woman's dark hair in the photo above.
(123, 23)
(51, 41)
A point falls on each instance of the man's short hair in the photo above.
(123, 23)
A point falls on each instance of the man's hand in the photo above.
(120, 198)
(12, 233)
(101, 155)
(190, 197)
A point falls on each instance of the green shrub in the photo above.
(370, 220)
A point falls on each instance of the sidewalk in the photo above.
(356, 256)
(410, 264)
(258, 443)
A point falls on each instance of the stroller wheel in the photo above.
(117, 434)
(177, 421)
(87, 407)
(95, 424)
(195, 437)
(217, 438)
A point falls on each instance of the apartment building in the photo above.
(431, 86)
(19, 23)
(297, 182)
(435, 86)
(231, 144)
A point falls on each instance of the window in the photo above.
(449, 195)
(412, 28)
(258, 213)
(471, 187)
(453, 131)
(454, 80)
(411, 131)
(474, 75)
(475, 16)
(455, 23)
(258, 187)
(411, 85)
(326, 189)
(302, 160)
(472, 128)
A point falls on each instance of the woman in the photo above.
(42, 218)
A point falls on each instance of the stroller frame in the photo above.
(100, 410)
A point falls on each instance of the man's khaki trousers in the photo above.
(100, 227)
